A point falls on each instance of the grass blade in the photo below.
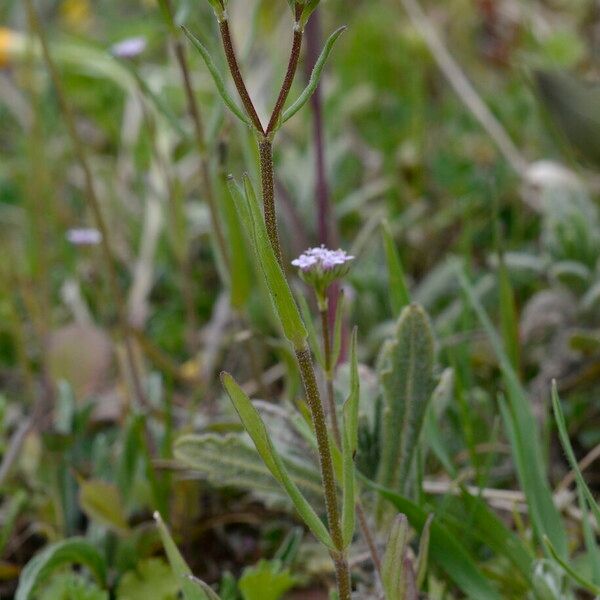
(526, 448)
(398, 290)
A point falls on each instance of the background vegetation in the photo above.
(478, 203)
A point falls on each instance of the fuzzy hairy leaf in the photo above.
(218, 80)
(392, 569)
(229, 461)
(406, 377)
(55, 556)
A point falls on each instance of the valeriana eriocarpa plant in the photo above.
(261, 230)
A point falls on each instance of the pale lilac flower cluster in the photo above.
(321, 258)
(129, 48)
(84, 236)
(320, 267)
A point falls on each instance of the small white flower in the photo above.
(320, 267)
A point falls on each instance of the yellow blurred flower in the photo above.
(76, 13)
(6, 41)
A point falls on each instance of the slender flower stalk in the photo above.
(265, 138)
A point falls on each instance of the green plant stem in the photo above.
(265, 146)
(331, 408)
(92, 198)
(265, 150)
(290, 73)
(237, 75)
(317, 413)
(329, 372)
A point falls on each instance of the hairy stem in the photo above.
(265, 150)
(237, 75)
(92, 198)
(315, 406)
(329, 373)
(290, 73)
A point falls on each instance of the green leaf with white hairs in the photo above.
(232, 461)
(255, 427)
(280, 292)
(314, 77)
(349, 447)
(393, 575)
(220, 84)
(406, 377)
(56, 556)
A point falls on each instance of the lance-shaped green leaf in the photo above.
(399, 296)
(191, 590)
(406, 377)
(240, 269)
(337, 329)
(255, 427)
(393, 576)
(219, 83)
(280, 292)
(349, 447)
(55, 556)
(314, 77)
(308, 10)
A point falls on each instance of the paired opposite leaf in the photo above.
(221, 87)
(406, 377)
(255, 427)
(314, 77)
(283, 300)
